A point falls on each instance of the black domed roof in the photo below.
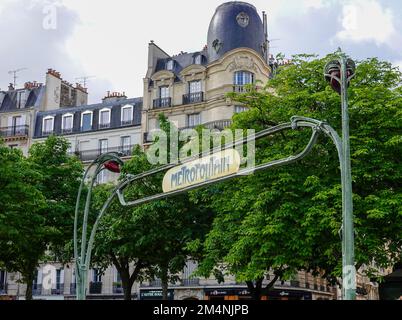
(234, 25)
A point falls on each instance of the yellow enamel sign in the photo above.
(211, 167)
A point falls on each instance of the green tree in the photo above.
(38, 199)
(288, 219)
(153, 236)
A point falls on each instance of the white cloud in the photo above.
(366, 20)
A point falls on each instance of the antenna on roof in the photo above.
(84, 80)
(14, 73)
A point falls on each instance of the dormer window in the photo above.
(127, 115)
(48, 126)
(67, 123)
(198, 59)
(170, 65)
(86, 121)
(104, 118)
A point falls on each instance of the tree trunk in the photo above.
(28, 292)
(165, 284)
(255, 290)
(125, 282)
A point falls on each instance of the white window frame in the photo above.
(243, 72)
(241, 109)
(43, 124)
(170, 65)
(72, 121)
(128, 106)
(85, 113)
(100, 145)
(198, 59)
(109, 111)
(192, 84)
(193, 115)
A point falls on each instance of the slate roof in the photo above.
(9, 99)
(115, 121)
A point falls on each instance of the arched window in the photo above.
(104, 118)
(242, 78)
(67, 123)
(86, 121)
(48, 125)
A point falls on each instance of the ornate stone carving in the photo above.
(243, 63)
(243, 19)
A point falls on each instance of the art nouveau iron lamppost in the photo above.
(339, 73)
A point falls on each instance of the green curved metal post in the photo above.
(346, 70)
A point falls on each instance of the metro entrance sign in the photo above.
(224, 165)
(211, 167)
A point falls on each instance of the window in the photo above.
(170, 65)
(242, 78)
(3, 281)
(86, 121)
(126, 145)
(17, 121)
(194, 120)
(127, 115)
(67, 123)
(96, 276)
(198, 59)
(194, 87)
(104, 118)
(240, 109)
(48, 125)
(103, 146)
(21, 99)
(164, 92)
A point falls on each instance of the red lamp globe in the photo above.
(112, 166)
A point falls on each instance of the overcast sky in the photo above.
(109, 39)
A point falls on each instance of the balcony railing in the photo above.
(67, 131)
(37, 289)
(117, 288)
(104, 126)
(95, 288)
(127, 122)
(190, 282)
(195, 97)
(16, 131)
(59, 290)
(219, 124)
(162, 103)
(214, 125)
(89, 155)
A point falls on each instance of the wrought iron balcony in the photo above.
(36, 289)
(117, 288)
(195, 97)
(89, 155)
(127, 122)
(219, 124)
(104, 126)
(190, 282)
(162, 103)
(15, 131)
(59, 290)
(95, 287)
(67, 131)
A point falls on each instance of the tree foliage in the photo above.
(37, 205)
(289, 219)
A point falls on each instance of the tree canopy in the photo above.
(289, 218)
